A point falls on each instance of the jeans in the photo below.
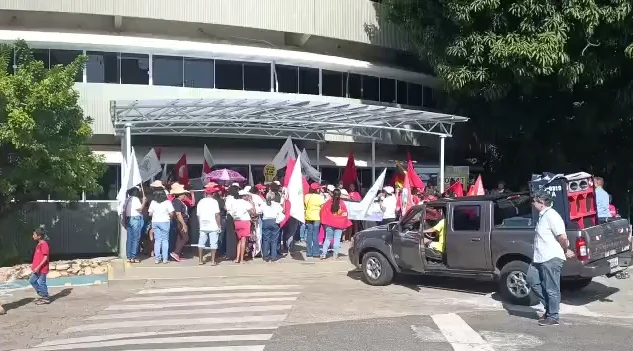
(134, 228)
(270, 239)
(312, 238)
(38, 281)
(161, 241)
(332, 233)
(302, 232)
(544, 279)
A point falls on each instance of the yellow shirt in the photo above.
(440, 229)
(313, 203)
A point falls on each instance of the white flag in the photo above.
(311, 172)
(131, 178)
(150, 165)
(281, 159)
(251, 181)
(295, 193)
(369, 198)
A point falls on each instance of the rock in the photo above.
(94, 265)
(62, 267)
(74, 271)
(64, 274)
(53, 274)
(25, 273)
(85, 263)
(100, 270)
(81, 272)
(87, 271)
(75, 266)
(52, 266)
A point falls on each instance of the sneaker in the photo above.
(548, 322)
(166, 261)
(175, 256)
(156, 262)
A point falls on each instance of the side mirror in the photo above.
(392, 226)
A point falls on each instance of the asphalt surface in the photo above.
(332, 312)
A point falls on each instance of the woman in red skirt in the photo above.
(243, 209)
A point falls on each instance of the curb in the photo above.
(18, 285)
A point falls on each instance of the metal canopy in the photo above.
(306, 120)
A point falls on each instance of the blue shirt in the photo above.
(602, 203)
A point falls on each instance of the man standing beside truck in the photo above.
(551, 249)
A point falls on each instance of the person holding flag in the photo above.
(388, 204)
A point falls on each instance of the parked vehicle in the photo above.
(487, 237)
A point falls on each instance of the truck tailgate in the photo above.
(606, 240)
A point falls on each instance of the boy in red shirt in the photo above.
(39, 267)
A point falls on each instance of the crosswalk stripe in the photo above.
(95, 338)
(218, 348)
(459, 334)
(197, 303)
(170, 340)
(218, 288)
(269, 308)
(175, 322)
(213, 296)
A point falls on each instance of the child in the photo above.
(40, 267)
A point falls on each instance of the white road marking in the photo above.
(218, 288)
(219, 348)
(175, 322)
(193, 302)
(427, 334)
(151, 314)
(511, 341)
(233, 295)
(96, 338)
(459, 334)
(170, 340)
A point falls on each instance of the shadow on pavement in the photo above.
(17, 304)
(61, 294)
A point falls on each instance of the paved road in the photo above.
(333, 312)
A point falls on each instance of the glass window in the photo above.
(134, 69)
(371, 88)
(102, 67)
(287, 79)
(354, 86)
(467, 217)
(167, 70)
(42, 55)
(229, 75)
(308, 81)
(333, 83)
(387, 90)
(198, 73)
(109, 183)
(402, 92)
(428, 97)
(66, 57)
(414, 94)
(256, 76)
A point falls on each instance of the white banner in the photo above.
(131, 179)
(150, 165)
(357, 211)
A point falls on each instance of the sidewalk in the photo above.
(189, 272)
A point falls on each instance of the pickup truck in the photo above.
(487, 238)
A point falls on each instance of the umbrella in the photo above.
(226, 175)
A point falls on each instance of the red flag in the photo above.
(349, 174)
(477, 188)
(457, 188)
(405, 196)
(306, 188)
(414, 178)
(181, 170)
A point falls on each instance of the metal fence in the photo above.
(75, 229)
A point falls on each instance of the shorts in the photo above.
(243, 229)
(212, 236)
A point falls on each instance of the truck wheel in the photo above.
(513, 284)
(376, 269)
(575, 284)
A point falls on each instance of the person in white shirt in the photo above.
(388, 204)
(242, 210)
(210, 222)
(258, 201)
(134, 223)
(551, 248)
(161, 210)
(272, 215)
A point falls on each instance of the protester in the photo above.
(208, 212)
(602, 200)
(272, 215)
(230, 235)
(161, 211)
(242, 209)
(180, 222)
(551, 248)
(313, 202)
(333, 216)
(134, 222)
(388, 205)
(257, 220)
(40, 266)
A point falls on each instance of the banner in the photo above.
(131, 178)
(357, 211)
(454, 174)
(150, 165)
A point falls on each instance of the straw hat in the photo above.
(177, 189)
(157, 184)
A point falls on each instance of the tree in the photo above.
(548, 84)
(44, 134)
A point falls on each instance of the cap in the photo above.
(388, 189)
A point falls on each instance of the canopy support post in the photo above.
(127, 152)
(373, 160)
(442, 165)
(318, 156)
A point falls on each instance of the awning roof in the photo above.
(306, 120)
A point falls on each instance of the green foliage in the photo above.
(44, 134)
(548, 84)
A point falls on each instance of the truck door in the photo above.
(407, 242)
(467, 239)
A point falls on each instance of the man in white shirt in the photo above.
(551, 248)
(208, 212)
(388, 204)
(602, 200)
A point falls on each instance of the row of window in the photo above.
(177, 71)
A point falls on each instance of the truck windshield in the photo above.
(513, 211)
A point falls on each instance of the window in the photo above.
(199, 73)
(387, 90)
(109, 183)
(287, 78)
(42, 55)
(414, 94)
(371, 88)
(134, 69)
(354, 86)
(167, 70)
(402, 92)
(102, 67)
(308, 81)
(66, 57)
(229, 75)
(428, 97)
(333, 83)
(257, 76)
(467, 218)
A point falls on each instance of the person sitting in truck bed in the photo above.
(439, 229)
